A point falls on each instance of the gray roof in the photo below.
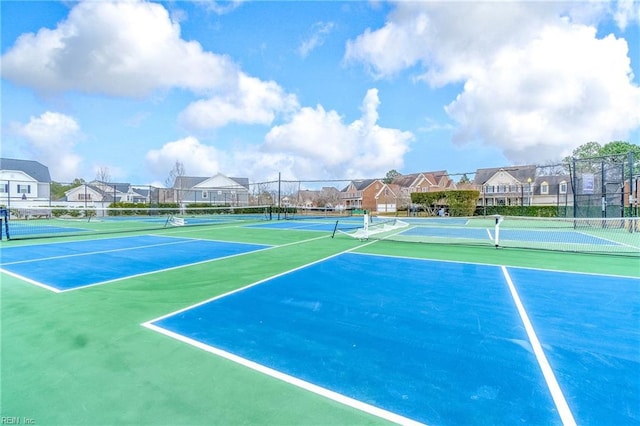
(36, 170)
(241, 181)
(361, 184)
(520, 173)
(188, 182)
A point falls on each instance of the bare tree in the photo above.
(103, 175)
(176, 172)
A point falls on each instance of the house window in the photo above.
(544, 188)
(84, 197)
(489, 189)
(563, 187)
(24, 189)
(4, 187)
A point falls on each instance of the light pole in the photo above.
(530, 192)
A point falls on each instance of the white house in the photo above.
(215, 190)
(97, 193)
(24, 183)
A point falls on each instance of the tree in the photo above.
(170, 182)
(594, 150)
(58, 189)
(391, 174)
(612, 152)
(177, 171)
(617, 148)
(103, 175)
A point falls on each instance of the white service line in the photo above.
(547, 372)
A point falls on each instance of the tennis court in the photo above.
(89, 263)
(238, 324)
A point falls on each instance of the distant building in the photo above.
(24, 183)
(421, 182)
(103, 193)
(361, 194)
(505, 186)
(519, 186)
(215, 190)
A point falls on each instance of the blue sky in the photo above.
(313, 90)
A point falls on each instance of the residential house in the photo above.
(552, 190)
(24, 183)
(361, 194)
(519, 186)
(98, 193)
(505, 186)
(387, 198)
(421, 182)
(215, 190)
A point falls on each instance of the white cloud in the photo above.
(313, 144)
(537, 80)
(221, 7)
(131, 49)
(542, 100)
(198, 159)
(320, 31)
(320, 144)
(253, 102)
(115, 48)
(627, 12)
(52, 138)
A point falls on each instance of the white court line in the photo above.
(90, 253)
(30, 281)
(335, 396)
(489, 233)
(58, 290)
(547, 372)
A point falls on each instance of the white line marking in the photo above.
(431, 259)
(30, 281)
(91, 253)
(489, 233)
(552, 383)
(367, 408)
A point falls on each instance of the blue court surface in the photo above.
(547, 236)
(72, 265)
(436, 342)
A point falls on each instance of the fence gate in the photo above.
(602, 186)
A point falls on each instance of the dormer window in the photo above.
(563, 187)
(544, 188)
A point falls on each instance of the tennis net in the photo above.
(585, 235)
(311, 213)
(39, 222)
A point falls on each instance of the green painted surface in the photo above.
(83, 358)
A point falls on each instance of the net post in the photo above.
(499, 220)
(335, 228)
(4, 220)
(366, 220)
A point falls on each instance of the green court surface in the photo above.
(83, 358)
